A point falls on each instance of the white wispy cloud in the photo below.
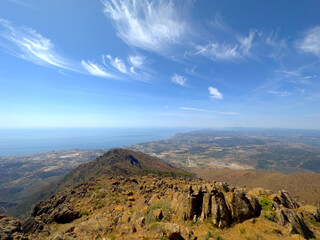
(137, 61)
(27, 44)
(311, 41)
(150, 25)
(194, 109)
(225, 51)
(96, 70)
(117, 63)
(207, 111)
(180, 80)
(279, 93)
(214, 93)
(246, 43)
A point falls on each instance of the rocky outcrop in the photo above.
(284, 199)
(31, 226)
(58, 208)
(224, 204)
(9, 227)
(294, 222)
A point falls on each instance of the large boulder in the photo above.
(294, 222)
(241, 207)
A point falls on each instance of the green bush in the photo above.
(271, 215)
(266, 204)
(83, 213)
(111, 236)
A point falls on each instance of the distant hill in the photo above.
(286, 151)
(116, 162)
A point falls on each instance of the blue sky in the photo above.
(160, 63)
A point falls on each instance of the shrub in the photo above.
(266, 204)
(213, 235)
(111, 236)
(164, 206)
(83, 213)
(98, 204)
(315, 223)
(102, 195)
(271, 215)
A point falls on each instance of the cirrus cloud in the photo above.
(150, 25)
(29, 45)
(180, 80)
(214, 93)
(311, 41)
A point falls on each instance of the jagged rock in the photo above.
(222, 186)
(310, 212)
(254, 201)
(173, 231)
(284, 198)
(240, 206)
(294, 222)
(206, 206)
(64, 214)
(31, 225)
(196, 200)
(55, 209)
(219, 211)
(158, 214)
(8, 227)
(141, 221)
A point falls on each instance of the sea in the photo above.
(26, 141)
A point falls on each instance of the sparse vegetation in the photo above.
(315, 223)
(242, 230)
(213, 235)
(271, 215)
(98, 204)
(165, 208)
(111, 236)
(84, 213)
(266, 204)
(166, 174)
(192, 222)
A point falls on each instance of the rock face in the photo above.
(223, 204)
(9, 227)
(295, 222)
(56, 209)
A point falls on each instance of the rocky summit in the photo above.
(156, 205)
